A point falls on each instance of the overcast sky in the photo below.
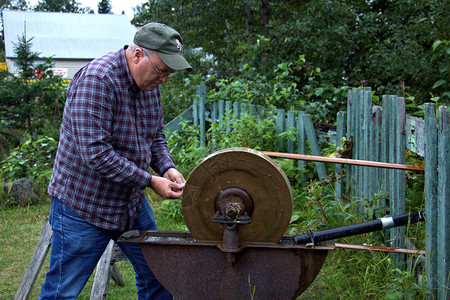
(117, 5)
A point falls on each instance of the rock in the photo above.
(22, 191)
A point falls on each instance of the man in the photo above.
(112, 132)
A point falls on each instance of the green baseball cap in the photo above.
(166, 41)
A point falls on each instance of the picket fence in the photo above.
(378, 133)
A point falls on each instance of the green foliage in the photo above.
(246, 130)
(71, 6)
(34, 158)
(348, 41)
(104, 7)
(30, 102)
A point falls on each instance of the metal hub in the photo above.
(238, 183)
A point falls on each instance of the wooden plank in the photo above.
(174, 125)
(280, 125)
(367, 107)
(236, 110)
(357, 103)
(415, 135)
(392, 158)
(102, 274)
(215, 108)
(374, 143)
(290, 126)
(400, 179)
(221, 111)
(350, 135)
(244, 110)
(202, 115)
(431, 179)
(443, 223)
(377, 121)
(314, 145)
(385, 142)
(195, 113)
(35, 266)
(228, 115)
(301, 145)
(340, 133)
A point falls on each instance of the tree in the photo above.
(104, 7)
(31, 96)
(71, 6)
(17, 4)
(382, 42)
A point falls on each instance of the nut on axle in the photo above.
(233, 208)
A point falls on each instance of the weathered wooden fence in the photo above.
(382, 134)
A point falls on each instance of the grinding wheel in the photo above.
(251, 171)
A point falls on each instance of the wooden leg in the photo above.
(102, 274)
(37, 260)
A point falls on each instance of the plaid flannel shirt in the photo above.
(111, 133)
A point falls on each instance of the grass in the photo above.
(346, 274)
(21, 227)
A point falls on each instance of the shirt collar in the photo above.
(129, 82)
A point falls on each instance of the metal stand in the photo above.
(106, 267)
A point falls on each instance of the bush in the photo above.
(33, 158)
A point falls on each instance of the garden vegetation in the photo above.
(295, 55)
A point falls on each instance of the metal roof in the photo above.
(67, 35)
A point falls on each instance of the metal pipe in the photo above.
(345, 161)
(360, 228)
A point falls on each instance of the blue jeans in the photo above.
(77, 246)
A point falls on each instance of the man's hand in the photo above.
(166, 188)
(173, 175)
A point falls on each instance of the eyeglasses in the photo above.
(160, 73)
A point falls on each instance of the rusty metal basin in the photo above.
(191, 269)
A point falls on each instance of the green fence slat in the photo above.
(443, 224)
(195, 111)
(400, 178)
(340, 133)
(367, 106)
(280, 126)
(290, 126)
(314, 144)
(228, 113)
(357, 102)
(431, 179)
(350, 135)
(301, 145)
(375, 177)
(392, 158)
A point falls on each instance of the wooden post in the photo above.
(102, 274)
(431, 179)
(400, 178)
(443, 223)
(367, 106)
(35, 266)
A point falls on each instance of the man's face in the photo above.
(149, 70)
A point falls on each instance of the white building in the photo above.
(71, 40)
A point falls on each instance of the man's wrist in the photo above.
(150, 181)
(163, 172)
